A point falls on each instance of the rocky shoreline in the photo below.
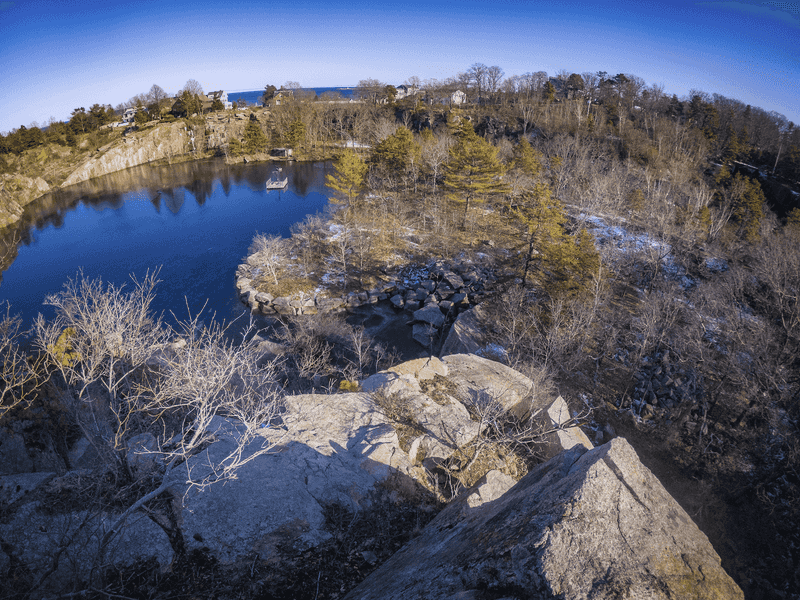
(433, 295)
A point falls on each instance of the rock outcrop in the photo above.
(586, 524)
(16, 191)
(59, 544)
(167, 140)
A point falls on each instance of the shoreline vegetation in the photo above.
(635, 252)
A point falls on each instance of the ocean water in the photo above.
(253, 97)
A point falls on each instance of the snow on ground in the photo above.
(352, 144)
(716, 265)
(616, 242)
(493, 352)
(621, 239)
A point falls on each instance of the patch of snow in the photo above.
(716, 265)
(493, 351)
(352, 144)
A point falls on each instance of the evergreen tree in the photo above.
(473, 170)
(348, 176)
(254, 138)
(140, 118)
(565, 263)
(394, 155)
(526, 160)
(296, 133)
(543, 219)
(748, 206)
(746, 200)
(549, 92)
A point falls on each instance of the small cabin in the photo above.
(282, 152)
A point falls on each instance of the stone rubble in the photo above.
(434, 295)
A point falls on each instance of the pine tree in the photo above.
(348, 177)
(394, 154)
(526, 160)
(473, 170)
(543, 219)
(748, 206)
(296, 133)
(549, 92)
(565, 263)
(254, 138)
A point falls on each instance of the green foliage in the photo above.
(62, 350)
(348, 386)
(71, 139)
(473, 169)
(296, 133)
(793, 220)
(141, 117)
(269, 93)
(748, 208)
(565, 264)
(635, 199)
(187, 105)
(217, 105)
(235, 146)
(254, 138)
(549, 92)
(348, 176)
(391, 93)
(526, 160)
(394, 154)
(746, 200)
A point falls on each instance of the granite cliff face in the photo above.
(163, 141)
(588, 522)
(15, 192)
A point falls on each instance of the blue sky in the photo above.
(59, 55)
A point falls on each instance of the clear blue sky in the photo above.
(56, 55)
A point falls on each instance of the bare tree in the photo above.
(268, 252)
(98, 341)
(193, 87)
(128, 375)
(435, 153)
(19, 375)
(494, 75)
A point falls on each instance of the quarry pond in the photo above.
(193, 220)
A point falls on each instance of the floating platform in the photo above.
(275, 182)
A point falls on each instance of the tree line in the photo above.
(154, 104)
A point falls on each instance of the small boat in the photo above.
(275, 182)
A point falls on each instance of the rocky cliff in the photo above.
(586, 523)
(163, 141)
(15, 192)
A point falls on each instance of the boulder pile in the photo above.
(434, 295)
(662, 384)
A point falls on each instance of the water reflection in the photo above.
(197, 219)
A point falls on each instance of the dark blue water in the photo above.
(194, 221)
(254, 97)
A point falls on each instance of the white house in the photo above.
(404, 91)
(129, 114)
(222, 96)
